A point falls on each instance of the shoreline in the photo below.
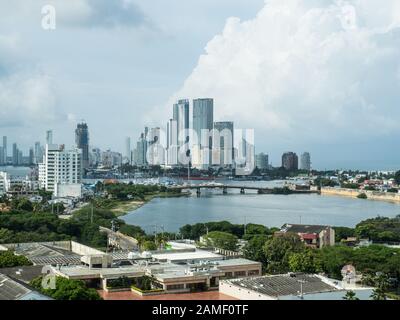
(123, 208)
(353, 194)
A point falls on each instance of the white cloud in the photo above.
(26, 97)
(306, 70)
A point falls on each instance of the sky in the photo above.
(307, 75)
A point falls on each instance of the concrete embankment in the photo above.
(372, 195)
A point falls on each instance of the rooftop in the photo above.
(11, 289)
(286, 285)
(303, 228)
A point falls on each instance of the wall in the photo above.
(372, 195)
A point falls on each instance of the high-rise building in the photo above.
(203, 123)
(141, 150)
(38, 154)
(290, 161)
(4, 183)
(5, 150)
(82, 142)
(155, 152)
(2, 162)
(128, 151)
(15, 155)
(262, 161)
(49, 137)
(31, 156)
(305, 161)
(178, 132)
(60, 167)
(172, 144)
(223, 145)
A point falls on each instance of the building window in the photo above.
(240, 273)
(176, 287)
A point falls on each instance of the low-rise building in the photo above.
(314, 236)
(290, 287)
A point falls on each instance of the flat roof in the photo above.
(285, 285)
(180, 256)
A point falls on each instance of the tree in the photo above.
(278, 250)
(222, 240)
(350, 295)
(382, 285)
(253, 250)
(397, 177)
(307, 261)
(362, 196)
(9, 260)
(149, 246)
(67, 289)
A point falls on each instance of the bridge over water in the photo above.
(243, 189)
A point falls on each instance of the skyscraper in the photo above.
(128, 151)
(178, 131)
(305, 161)
(290, 161)
(203, 122)
(2, 163)
(223, 151)
(38, 153)
(49, 137)
(262, 161)
(5, 153)
(82, 142)
(15, 155)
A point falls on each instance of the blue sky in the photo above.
(307, 75)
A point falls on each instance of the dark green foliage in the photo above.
(122, 191)
(379, 229)
(9, 260)
(362, 196)
(67, 290)
(122, 282)
(222, 240)
(343, 233)
(195, 231)
(278, 250)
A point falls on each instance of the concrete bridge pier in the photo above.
(198, 192)
(225, 190)
(242, 191)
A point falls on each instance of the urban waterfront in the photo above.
(269, 210)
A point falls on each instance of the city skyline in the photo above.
(335, 116)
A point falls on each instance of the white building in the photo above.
(4, 183)
(60, 167)
(290, 287)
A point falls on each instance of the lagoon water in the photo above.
(269, 210)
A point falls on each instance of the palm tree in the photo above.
(350, 295)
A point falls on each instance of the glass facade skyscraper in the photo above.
(203, 124)
(82, 142)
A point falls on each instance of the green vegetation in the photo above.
(350, 295)
(354, 186)
(362, 196)
(324, 182)
(9, 260)
(19, 227)
(379, 229)
(120, 283)
(67, 290)
(222, 240)
(194, 232)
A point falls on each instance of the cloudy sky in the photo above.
(308, 75)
